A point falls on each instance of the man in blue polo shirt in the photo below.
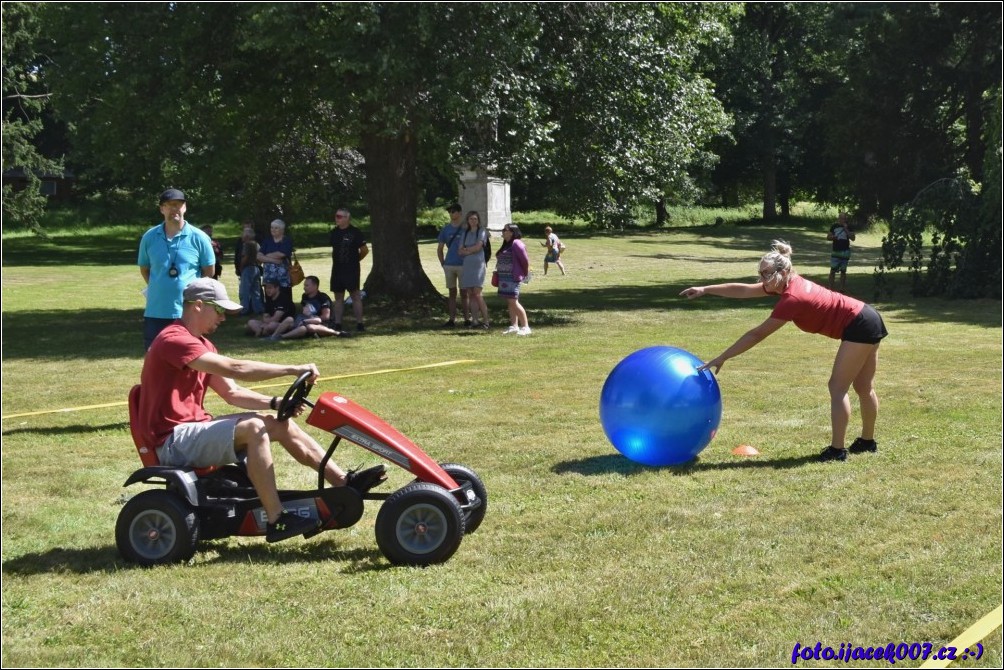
(171, 255)
(449, 257)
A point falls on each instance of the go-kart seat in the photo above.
(148, 454)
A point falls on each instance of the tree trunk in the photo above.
(661, 215)
(769, 187)
(730, 194)
(784, 191)
(392, 195)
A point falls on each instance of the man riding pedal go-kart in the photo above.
(191, 453)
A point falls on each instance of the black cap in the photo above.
(171, 194)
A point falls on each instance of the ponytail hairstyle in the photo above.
(779, 258)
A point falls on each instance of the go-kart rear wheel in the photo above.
(156, 528)
(462, 474)
(419, 525)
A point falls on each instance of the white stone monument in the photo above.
(487, 195)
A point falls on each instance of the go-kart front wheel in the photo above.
(156, 528)
(420, 524)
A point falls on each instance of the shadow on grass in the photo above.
(60, 335)
(97, 334)
(108, 560)
(76, 429)
(356, 560)
(617, 464)
(89, 250)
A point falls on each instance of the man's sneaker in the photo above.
(449, 324)
(287, 526)
(360, 327)
(862, 445)
(364, 480)
(467, 323)
(831, 454)
(510, 330)
(525, 330)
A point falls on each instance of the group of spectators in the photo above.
(465, 252)
(173, 253)
(271, 301)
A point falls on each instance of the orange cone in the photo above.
(745, 450)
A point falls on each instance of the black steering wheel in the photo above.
(295, 396)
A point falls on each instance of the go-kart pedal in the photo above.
(364, 480)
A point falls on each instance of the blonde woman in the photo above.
(274, 254)
(816, 309)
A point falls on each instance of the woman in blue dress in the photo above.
(472, 276)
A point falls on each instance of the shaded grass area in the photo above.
(585, 558)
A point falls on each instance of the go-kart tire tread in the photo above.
(175, 523)
(424, 503)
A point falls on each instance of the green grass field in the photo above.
(584, 558)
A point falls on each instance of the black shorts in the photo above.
(345, 279)
(866, 328)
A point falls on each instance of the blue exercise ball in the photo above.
(657, 409)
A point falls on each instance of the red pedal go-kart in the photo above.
(420, 524)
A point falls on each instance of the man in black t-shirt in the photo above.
(279, 314)
(348, 248)
(315, 312)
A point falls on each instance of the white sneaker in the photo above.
(510, 330)
(525, 330)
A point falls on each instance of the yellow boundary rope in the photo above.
(973, 634)
(261, 386)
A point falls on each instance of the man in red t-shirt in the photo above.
(815, 309)
(181, 364)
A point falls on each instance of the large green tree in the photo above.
(283, 102)
(913, 103)
(163, 94)
(784, 63)
(629, 112)
(914, 137)
(25, 101)
(405, 82)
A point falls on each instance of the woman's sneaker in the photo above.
(862, 445)
(525, 330)
(510, 330)
(831, 454)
